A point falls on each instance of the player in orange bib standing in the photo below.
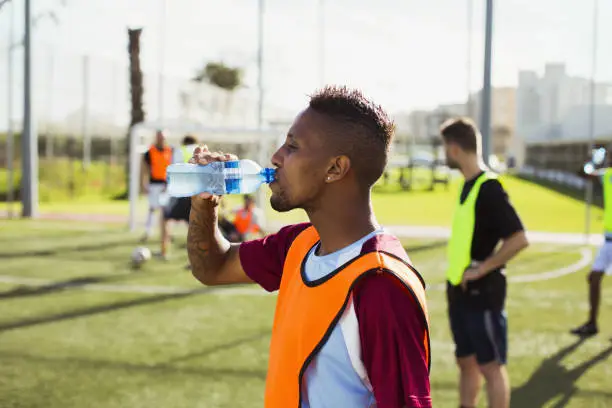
(351, 325)
(153, 178)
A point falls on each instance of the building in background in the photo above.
(554, 118)
(422, 125)
(556, 106)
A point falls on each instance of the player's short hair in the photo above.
(189, 140)
(358, 128)
(463, 132)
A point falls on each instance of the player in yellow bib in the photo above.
(603, 262)
(476, 282)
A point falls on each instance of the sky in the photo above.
(405, 54)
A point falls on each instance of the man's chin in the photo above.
(278, 205)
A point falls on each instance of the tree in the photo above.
(224, 77)
(220, 75)
(137, 113)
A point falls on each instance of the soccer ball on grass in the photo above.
(139, 256)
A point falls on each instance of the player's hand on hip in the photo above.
(470, 274)
(203, 156)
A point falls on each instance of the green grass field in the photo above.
(79, 328)
(542, 209)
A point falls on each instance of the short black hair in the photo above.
(463, 132)
(189, 140)
(364, 130)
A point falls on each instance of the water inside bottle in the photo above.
(218, 178)
(187, 180)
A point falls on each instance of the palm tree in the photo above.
(137, 113)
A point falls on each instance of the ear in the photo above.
(338, 168)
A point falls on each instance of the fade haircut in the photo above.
(358, 128)
(462, 132)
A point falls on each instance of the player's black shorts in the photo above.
(178, 209)
(479, 332)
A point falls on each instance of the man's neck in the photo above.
(471, 169)
(340, 226)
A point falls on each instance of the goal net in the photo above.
(247, 143)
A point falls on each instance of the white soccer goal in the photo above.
(259, 144)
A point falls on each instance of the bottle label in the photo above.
(232, 170)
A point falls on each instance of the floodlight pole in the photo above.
(86, 134)
(162, 57)
(260, 50)
(485, 126)
(468, 85)
(321, 33)
(10, 137)
(589, 185)
(29, 138)
(260, 196)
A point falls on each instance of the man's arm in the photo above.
(502, 218)
(511, 246)
(214, 261)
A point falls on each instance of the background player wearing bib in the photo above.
(603, 262)
(246, 219)
(476, 283)
(153, 178)
(177, 208)
(351, 316)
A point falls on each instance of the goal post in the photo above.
(260, 144)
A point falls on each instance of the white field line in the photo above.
(584, 261)
(146, 289)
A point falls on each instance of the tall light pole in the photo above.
(260, 50)
(468, 67)
(591, 126)
(9, 95)
(162, 57)
(321, 35)
(29, 138)
(485, 117)
(85, 115)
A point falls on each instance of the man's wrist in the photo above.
(483, 269)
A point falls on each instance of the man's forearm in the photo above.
(206, 246)
(510, 247)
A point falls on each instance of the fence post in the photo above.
(85, 115)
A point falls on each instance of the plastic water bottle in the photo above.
(218, 178)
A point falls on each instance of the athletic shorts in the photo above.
(479, 332)
(157, 195)
(603, 262)
(178, 209)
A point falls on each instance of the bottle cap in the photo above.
(269, 174)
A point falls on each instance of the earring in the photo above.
(328, 178)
